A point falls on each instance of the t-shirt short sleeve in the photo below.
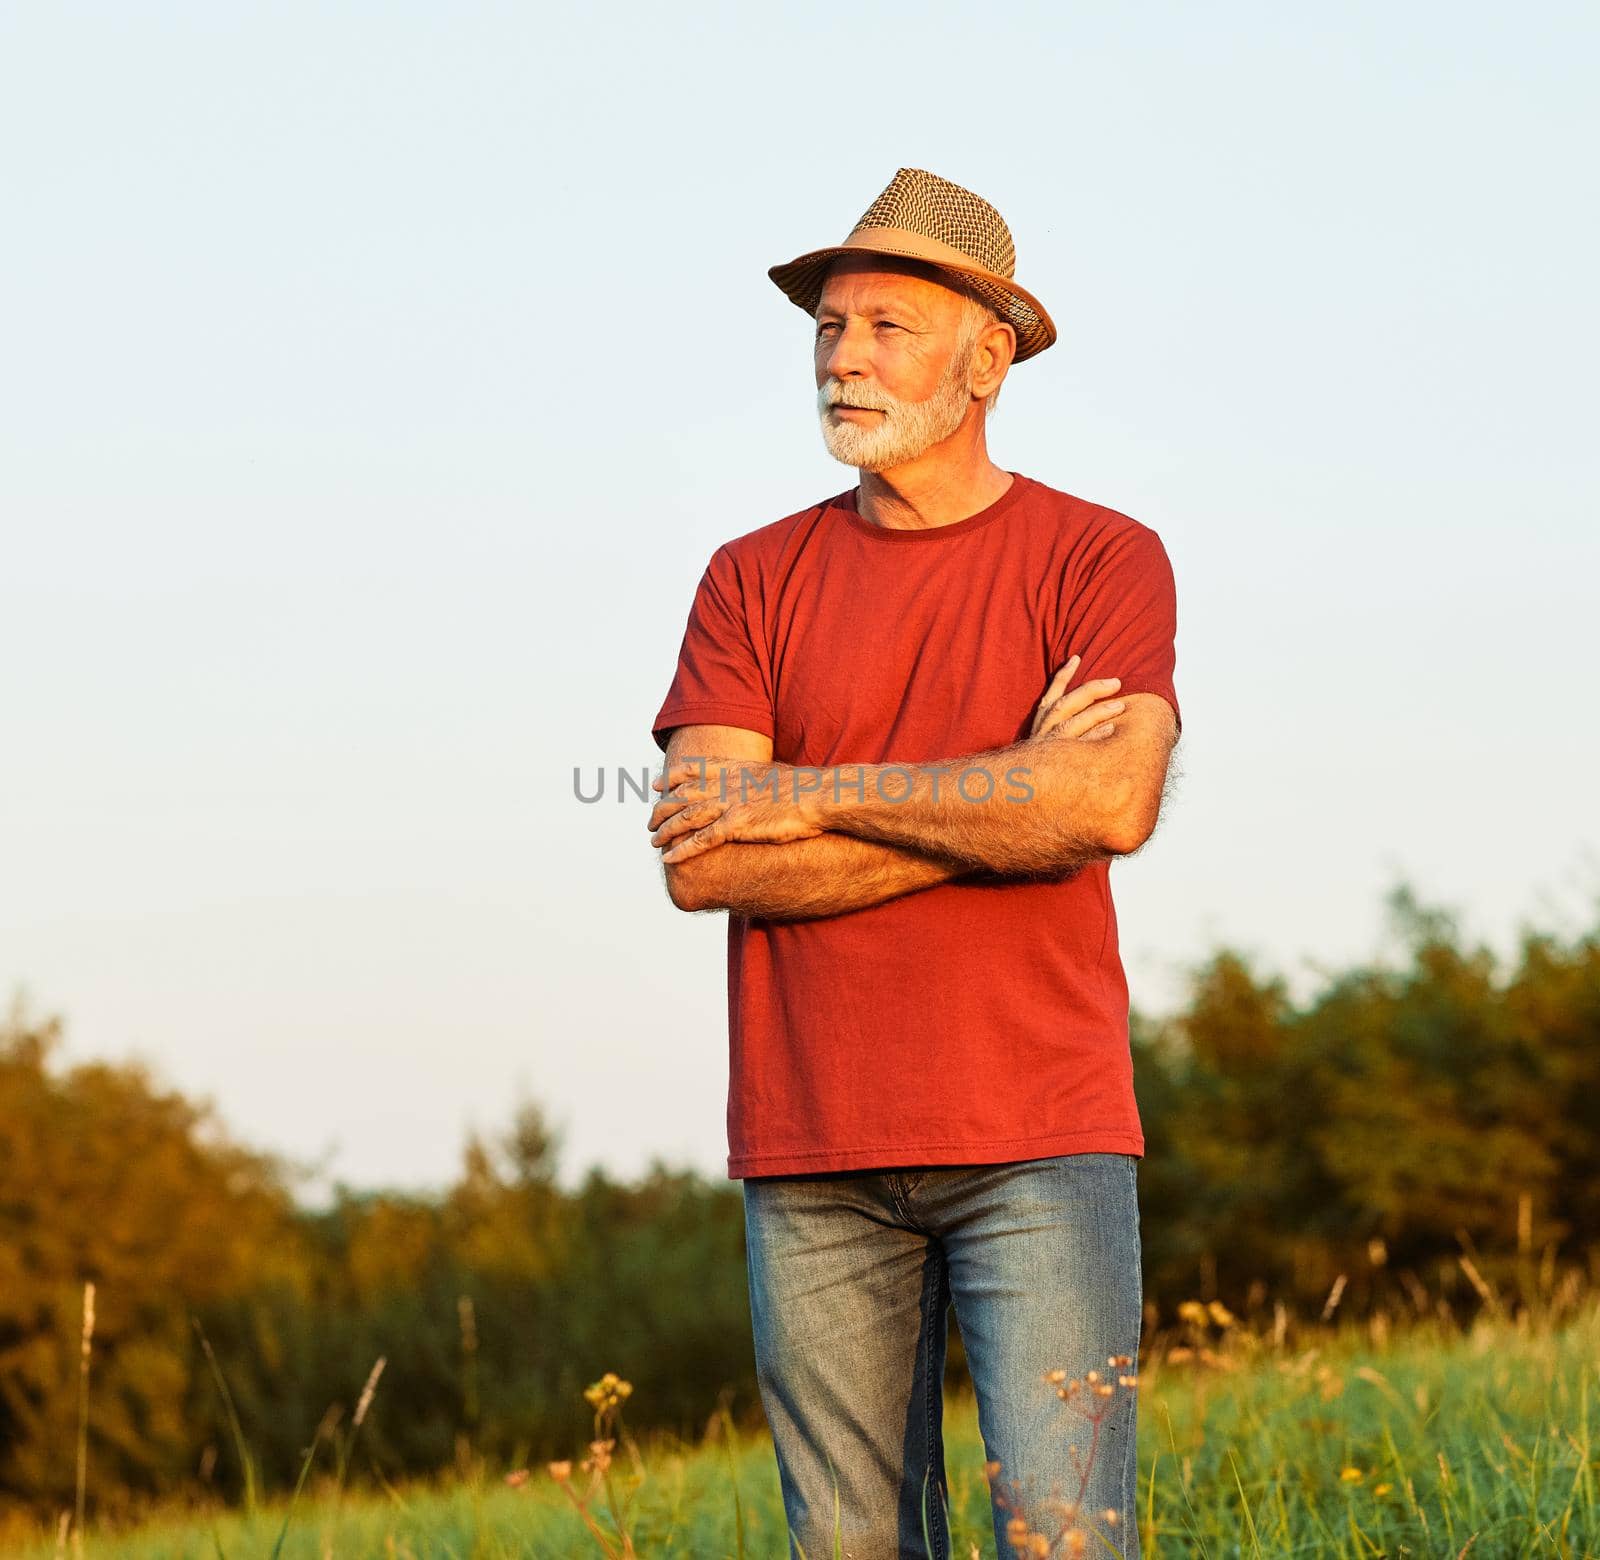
(721, 678)
(1123, 619)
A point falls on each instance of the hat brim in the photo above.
(801, 281)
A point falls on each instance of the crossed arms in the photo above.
(739, 832)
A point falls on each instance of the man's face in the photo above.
(894, 355)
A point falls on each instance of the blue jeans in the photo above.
(851, 1277)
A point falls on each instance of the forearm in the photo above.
(1033, 809)
(827, 874)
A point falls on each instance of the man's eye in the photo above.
(890, 325)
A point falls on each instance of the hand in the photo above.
(1086, 712)
(706, 802)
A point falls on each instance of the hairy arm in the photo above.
(825, 874)
(1034, 807)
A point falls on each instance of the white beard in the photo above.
(906, 429)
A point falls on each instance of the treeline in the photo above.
(1406, 1114)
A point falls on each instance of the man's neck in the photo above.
(929, 493)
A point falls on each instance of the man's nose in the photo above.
(847, 356)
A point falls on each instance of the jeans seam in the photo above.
(930, 1321)
(1130, 1479)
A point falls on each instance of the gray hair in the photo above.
(976, 316)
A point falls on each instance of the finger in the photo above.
(694, 844)
(724, 785)
(719, 777)
(680, 821)
(1078, 700)
(666, 807)
(686, 791)
(1086, 693)
(1097, 716)
(1059, 682)
(692, 816)
(686, 821)
(1057, 687)
(1080, 722)
(696, 768)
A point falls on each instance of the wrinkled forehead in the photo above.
(859, 283)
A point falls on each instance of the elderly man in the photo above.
(910, 728)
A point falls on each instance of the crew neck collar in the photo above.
(846, 504)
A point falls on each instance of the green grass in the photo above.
(1476, 1443)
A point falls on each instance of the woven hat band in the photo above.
(916, 245)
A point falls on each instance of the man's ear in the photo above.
(997, 349)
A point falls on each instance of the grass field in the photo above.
(1375, 1440)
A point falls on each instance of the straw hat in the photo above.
(923, 217)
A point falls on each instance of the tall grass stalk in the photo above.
(83, 1415)
(324, 1428)
(246, 1461)
(733, 1478)
(345, 1446)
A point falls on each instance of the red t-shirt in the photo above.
(967, 1023)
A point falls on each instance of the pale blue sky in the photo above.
(375, 382)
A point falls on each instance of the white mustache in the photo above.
(834, 395)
